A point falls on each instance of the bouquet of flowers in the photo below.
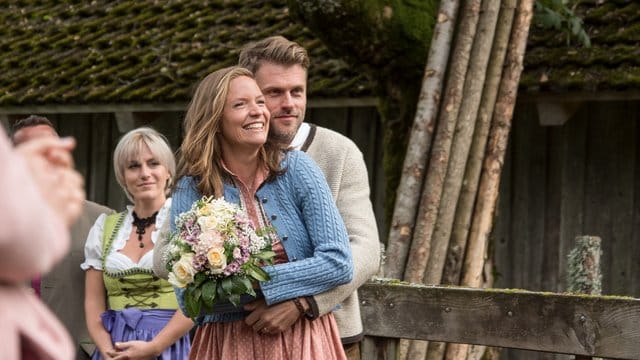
(216, 254)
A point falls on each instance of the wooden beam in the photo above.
(163, 107)
(557, 323)
(92, 108)
(551, 113)
(597, 96)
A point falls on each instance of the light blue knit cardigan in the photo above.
(300, 207)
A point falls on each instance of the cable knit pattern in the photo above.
(343, 166)
(301, 209)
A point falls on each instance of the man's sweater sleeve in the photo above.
(354, 205)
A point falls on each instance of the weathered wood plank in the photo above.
(364, 125)
(333, 118)
(573, 154)
(101, 154)
(551, 252)
(116, 198)
(622, 160)
(528, 189)
(634, 248)
(557, 323)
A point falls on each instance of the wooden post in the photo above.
(464, 212)
(406, 205)
(583, 274)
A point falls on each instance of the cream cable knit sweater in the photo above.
(343, 166)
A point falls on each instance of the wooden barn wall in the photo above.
(98, 133)
(581, 178)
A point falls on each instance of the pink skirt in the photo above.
(307, 339)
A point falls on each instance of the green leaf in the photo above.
(257, 273)
(576, 25)
(241, 285)
(265, 255)
(227, 286)
(191, 304)
(199, 279)
(234, 299)
(209, 292)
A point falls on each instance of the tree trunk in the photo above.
(496, 147)
(459, 149)
(439, 158)
(491, 44)
(479, 352)
(464, 211)
(406, 202)
(430, 201)
(462, 139)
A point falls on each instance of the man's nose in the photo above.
(287, 100)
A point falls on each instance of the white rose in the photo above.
(182, 272)
(207, 223)
(217, 260)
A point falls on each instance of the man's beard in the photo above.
(283, 137)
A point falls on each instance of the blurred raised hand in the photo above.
(51, 164)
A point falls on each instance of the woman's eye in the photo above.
(133, 166)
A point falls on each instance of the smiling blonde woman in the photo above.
(139, 319)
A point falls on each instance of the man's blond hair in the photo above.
(274, 49)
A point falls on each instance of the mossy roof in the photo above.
(122, 52)
(612, 63)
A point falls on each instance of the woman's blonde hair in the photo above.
(200, 155)
(132, 144)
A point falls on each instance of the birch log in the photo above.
(496, 147)
(482, 222)
(464, 211)
(415, 161)
(462, 139)
(439, 158)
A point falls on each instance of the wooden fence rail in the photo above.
(603, 326)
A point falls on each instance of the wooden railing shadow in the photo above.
(599, 326)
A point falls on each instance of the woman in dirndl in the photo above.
(130, 312)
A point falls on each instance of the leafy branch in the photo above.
(560, 15)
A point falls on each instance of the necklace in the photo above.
(142, 225)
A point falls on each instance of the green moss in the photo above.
(388, 41)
